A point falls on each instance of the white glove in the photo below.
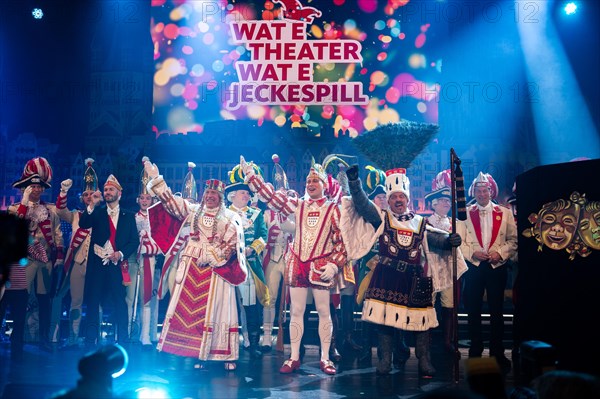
(65, 185)
(329, 271)
(151, 169)
(26, 193)
(246, 167)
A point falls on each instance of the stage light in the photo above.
(151, 393)
(108, 361)
(570, 8)
(98, 369)
(37, 13)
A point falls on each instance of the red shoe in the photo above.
(289, 366)
(328, 367)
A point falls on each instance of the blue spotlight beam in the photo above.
(564, 127)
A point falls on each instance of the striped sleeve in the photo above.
(276, 200)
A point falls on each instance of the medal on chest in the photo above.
(404, 237)
(312, 218)
(208, 220)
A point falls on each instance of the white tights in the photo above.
(298, 298)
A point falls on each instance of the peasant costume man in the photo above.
(399, 294)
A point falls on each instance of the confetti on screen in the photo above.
(195, 61)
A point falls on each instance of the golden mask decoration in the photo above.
(572, 225)
(589, 225)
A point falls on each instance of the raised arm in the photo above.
(276, 200)
(20, 210)
(365, 208)
(61, 202)
(90, 215)
(176, 206)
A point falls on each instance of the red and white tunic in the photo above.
(317, 240)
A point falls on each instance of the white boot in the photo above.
(268, 318)
(145, 334)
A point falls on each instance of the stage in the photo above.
(41, 374)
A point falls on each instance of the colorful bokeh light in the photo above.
(195, 63)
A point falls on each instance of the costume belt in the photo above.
(397, 264)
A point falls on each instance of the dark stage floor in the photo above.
(40, 374)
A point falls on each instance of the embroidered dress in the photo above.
(201, 319)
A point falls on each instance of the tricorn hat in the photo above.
(36, 171)
(441, 186)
